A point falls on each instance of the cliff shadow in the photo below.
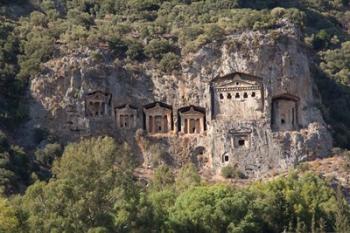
(335, 106)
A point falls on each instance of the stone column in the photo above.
(169, 121)
(188, 125)
(182, 124)
(153, 130)
(198, 125)
(201, 124)
(99, 108)
(134, 120)
(147, 122)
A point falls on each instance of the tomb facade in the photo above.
(192, 120)
(158, 118)
(98, 104)
(237, 96)
(126, 116)
(284, 113)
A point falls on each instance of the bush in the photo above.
(98, 230)
(187, 177)
(321, 39)
(303, 167)
(336, 63)
(118, 46)
(190, 33)
(135, 51)
(231, 172)
(157, 47)
(37, 48)
(214, 32)
(159, 155)
(9, 222)
(14, 169)
(163, 178)
(48, 154)
(77, 17)
(278, 12)
(95, 177)
(97, 56)
(169, 62)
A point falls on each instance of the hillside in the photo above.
(174, 116)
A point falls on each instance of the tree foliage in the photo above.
(14, 166)
(9, 222)
(93, 190)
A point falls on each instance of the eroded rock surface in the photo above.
(248, 101)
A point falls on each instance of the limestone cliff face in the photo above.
(248, 101)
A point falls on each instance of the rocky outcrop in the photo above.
(255, 90)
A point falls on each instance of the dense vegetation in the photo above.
(82, 192)
(93, 190)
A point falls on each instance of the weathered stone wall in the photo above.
(277, 58)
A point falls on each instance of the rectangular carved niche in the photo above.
(284, 113)
(240, 138)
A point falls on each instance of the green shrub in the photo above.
(232, 172)
(98, 230)
(156, 48)
(187, 177)
(159, 155)
(169, 62)
(189, 34)
(48, 154)
(163, 178)
(303, 167)
(38, 47)
(14, 169)
(214, 32)
(80, 18)
(9, 221)
(321, 39)
(278, 12)
(135, 51)
(336, 63)
(97, 56)
(118, 46)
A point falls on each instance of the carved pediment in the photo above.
(99, 96)
(237, 82)
(234, 83)
(157, 107)
(126, 109)
(240, 131)
(191, 111)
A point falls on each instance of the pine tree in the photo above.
(313, 224)
(301, 227)
(322, 226)
(342, 223)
